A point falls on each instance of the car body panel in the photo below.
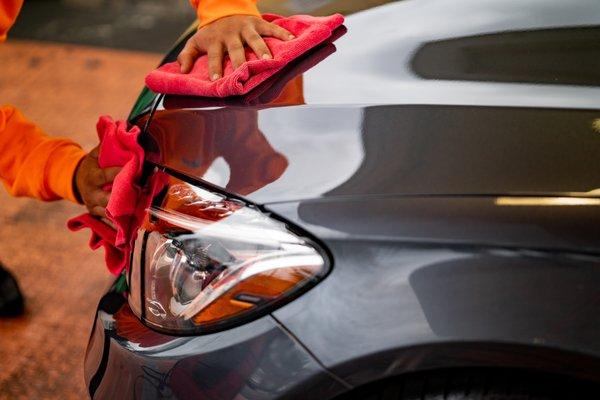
(551, 224)
(412, 298)
(289, 153)
(401, 67)
(259, 360)
(446, 156)
(453, 109)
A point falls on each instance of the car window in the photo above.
(318, 7)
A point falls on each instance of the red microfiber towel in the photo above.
(118, 148)
(309, 31)
(102, 236)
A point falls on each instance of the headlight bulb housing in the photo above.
(204, 262)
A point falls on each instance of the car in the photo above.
(409, 211)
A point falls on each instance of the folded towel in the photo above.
(128, 201)
(309, 31)
(283, 88)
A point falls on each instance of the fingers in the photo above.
(97, 202)
(91, 179)
(229, 34)
(215, 62)
(99, 178)
(95, 151)
(235, 48)
(98, 211)
(110, 174)
(257, 44)
(265, 28)
(188, 55)
(101, 198)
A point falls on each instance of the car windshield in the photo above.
(318, 7)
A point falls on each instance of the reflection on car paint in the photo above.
(300, 153)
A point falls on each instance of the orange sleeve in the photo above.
(9, 9)
(33, 164)
(211, 10)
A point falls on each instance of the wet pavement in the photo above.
(63, 88)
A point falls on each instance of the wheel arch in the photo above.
(468, 356)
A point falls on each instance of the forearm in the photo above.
(33, 164)
(211, 10)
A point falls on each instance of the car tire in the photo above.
(480, 384)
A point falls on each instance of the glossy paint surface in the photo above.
(259, 360)
(438, 283)
(285, 154)
(375, 62)
(547, 224)
(446, 154)
(418, 283)
(467, 97)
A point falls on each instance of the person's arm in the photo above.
(35, 165)
(225, 27)
(209, 11)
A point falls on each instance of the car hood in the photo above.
(417, 97)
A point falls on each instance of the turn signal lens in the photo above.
(209, 262)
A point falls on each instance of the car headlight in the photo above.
(203, 262)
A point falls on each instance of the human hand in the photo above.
(90, 180)
(229, 34)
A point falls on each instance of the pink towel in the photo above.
(309, 31)
(119, 148)
(102, 236)
(263, 94)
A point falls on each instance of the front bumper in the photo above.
(259, 360)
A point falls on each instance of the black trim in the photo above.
(201, 183)
(110, 303)
(143, 276)
(97, 378)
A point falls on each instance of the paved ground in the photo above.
(147, 25)
(64, 88)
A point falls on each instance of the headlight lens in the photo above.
(204, 262)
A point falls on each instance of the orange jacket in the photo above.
(31, 163)
(211, 10)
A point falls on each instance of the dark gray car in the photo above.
(410, 211)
